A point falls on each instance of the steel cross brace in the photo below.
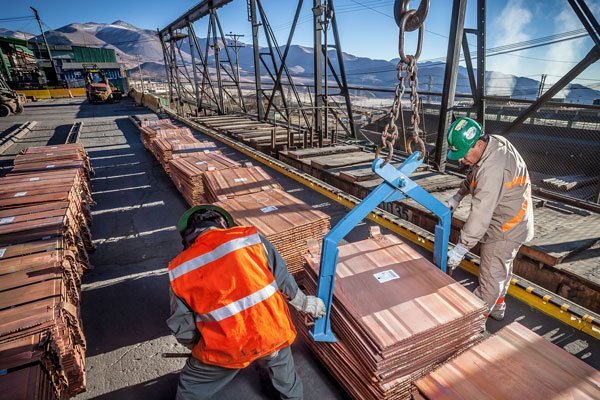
(396, 186)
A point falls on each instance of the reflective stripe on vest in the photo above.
(511, 223)
(238, 306)
(221, 251)
(519, 180)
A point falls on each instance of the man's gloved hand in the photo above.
(455, 256)
(311, 305)
(452, 203)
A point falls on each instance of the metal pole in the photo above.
(39, 21)
(318, 74)
(589, 59)
(236, 48)
(256, 50)
(481, 38)
(141, 75)
(457, 24)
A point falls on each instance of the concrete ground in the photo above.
(125, 299)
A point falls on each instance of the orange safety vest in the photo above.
(224, 278)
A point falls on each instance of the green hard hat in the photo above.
(462, 135)
(183, 221)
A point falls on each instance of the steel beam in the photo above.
(217, 49)
(457, 24)
(340, 56)
(167, 64)
(277, 85)
(481, 38)
(256, 51)
(587, 19)
(205, 74)
(317, 67)
(469, 64)
(234, 77)
(193, 14)
(589, 59)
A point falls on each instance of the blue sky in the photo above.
(366, 26)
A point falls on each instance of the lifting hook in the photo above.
(415, 21)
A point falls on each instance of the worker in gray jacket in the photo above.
(501, 217)
(228, 292)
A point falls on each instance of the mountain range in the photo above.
(132, 44)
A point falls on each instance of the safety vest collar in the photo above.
(238, 306)
(213, 255)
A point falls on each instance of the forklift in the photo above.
(10, 101)
(98, 88)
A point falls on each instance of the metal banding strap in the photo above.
(238, 306)
(221, 251)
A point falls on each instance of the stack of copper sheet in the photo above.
(149, 128)
(187, 172)
(515, 363)
(162, 147)
(189, 149)
(395, 315)
(30, 383)
(44, 240)
(234, 182)
(284, 220)
(53, 158)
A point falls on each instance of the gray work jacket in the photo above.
(501, 208)
(182, 322)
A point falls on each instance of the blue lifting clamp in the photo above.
(396, 186)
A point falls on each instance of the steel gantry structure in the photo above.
(204, 77)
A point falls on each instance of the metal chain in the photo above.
(390, 130)
(406, 70)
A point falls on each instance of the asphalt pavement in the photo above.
(125, 297)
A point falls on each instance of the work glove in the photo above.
(452, 203)
(455, 256)
(310, 305)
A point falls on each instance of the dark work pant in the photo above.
(199, 381)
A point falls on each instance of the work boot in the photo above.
(497, 316)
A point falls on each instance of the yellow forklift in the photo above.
(98, 88)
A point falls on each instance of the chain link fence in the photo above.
(559, 143)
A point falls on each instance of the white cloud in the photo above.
(510, 26)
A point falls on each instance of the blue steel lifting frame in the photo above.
(396, 186)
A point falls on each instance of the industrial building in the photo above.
(232, 238)
(26, 64)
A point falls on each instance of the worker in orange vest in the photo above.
(501, 215)
(228, 292)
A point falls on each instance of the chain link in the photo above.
(406, 70)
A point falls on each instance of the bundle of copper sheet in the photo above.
(284, 220)
(39, 316)
(189, 149)
(149, 132)
(51, 158)
(30, 383)
(514, 363)
(162, 147)
(395, 315)
(44, 240)
(187, 172)
(234, 182)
